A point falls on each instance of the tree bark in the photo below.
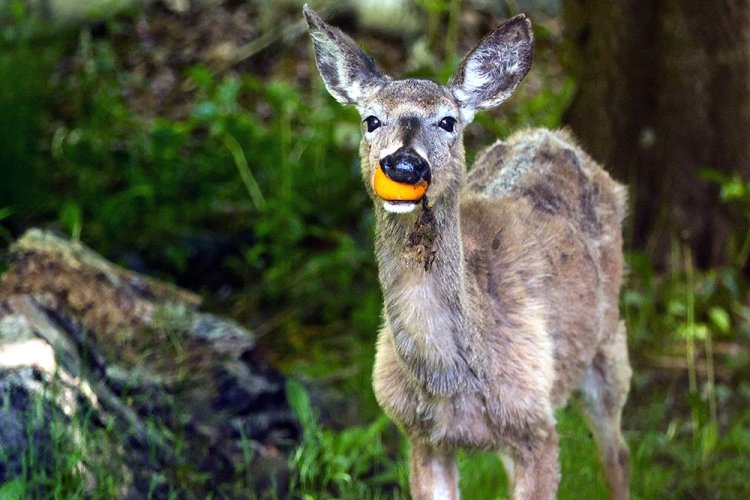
(664, 93)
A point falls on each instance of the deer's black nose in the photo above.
(406, 166)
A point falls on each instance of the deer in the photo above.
(500, 284)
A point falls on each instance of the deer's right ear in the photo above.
(350, 75)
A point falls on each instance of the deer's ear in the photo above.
(493, 69)
(350, 75)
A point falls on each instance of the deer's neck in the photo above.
(421, 269)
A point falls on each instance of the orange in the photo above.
(390, 190)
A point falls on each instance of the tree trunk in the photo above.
(664, 93)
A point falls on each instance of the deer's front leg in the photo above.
(535, 471)
(433, 475)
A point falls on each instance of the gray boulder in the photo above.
(105, 373)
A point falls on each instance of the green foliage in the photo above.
(26, 65)
(687, 421)
(249, 159)
(12, 489)
(735, 192)
(442, 40)
(127, 184)
(352, 463)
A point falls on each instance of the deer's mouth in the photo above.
(398, 197)
(400, 207)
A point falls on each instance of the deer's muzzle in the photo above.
(401, 181)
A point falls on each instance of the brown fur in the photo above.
(501, 292)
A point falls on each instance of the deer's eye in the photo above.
(372, 123)
(447, 123)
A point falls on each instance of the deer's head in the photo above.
(413, 129)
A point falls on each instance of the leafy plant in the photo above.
(676, 320)
(349, 464)
(735, 192)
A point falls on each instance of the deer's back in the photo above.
(570, 213)
(554, 174)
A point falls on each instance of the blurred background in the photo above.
(193, 141)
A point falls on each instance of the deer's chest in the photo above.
(458, 420)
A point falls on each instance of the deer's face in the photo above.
(412, 129)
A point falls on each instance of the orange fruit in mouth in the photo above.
(390, 190)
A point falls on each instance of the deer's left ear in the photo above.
(350, 75)
(493, 69)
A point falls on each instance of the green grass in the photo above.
(70, 456)
(354, 463)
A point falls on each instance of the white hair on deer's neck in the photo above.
(399, 207)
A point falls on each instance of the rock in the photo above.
(179, 401)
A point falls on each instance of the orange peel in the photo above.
(390, 190)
